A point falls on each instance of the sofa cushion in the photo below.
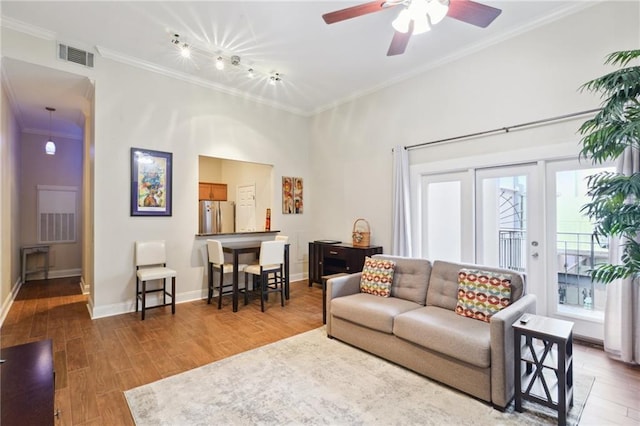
(481, 294)
(377, 276)
(442, 330)
(443, 284)
(410, 279)
(370, 311)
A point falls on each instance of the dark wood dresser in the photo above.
(326, 258)
(27, 384)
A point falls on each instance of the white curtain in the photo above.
(401, 244)
(621, 315)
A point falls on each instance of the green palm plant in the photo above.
(615, 197)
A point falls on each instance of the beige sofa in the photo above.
(418, 328)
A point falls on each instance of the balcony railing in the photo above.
(577, 254)
(512, 249)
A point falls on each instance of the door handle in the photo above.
(535, 255)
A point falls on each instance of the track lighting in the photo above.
(221, 60)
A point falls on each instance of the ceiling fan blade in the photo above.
(473, 13)
(354, 11)
(399, 42)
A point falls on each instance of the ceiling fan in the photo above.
(418, 16)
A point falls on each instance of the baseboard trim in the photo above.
(55, 273)
(130, 305)
(6, 306)
(84, 287)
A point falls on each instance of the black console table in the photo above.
(328, 258)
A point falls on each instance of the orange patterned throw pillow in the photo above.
(481, 294)
(377, 276)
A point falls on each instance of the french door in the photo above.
(575, 249)
(509, 216)
(526, 218)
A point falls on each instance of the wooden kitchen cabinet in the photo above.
(212, 191)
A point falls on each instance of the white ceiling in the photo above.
(321, 65)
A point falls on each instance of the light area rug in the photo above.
(309, 379)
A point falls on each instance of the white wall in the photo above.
(136, 108)
(9, 205)
(533, 76)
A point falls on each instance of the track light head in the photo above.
(219, 63)
(275, 78)
(185, 51)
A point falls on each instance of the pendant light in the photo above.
(50, 146)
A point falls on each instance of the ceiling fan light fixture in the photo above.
(437, 10)
(421, 25)
(402, 21)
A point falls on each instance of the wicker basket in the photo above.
(361, 234)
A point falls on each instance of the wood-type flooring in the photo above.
(96, 360)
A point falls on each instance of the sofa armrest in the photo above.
(338, 287)
(502, 351)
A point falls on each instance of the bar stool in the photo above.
(216, 263)
(270, 271)
(151, 264)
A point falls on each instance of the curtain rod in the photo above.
(503, 129)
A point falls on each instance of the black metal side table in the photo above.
(544, 346)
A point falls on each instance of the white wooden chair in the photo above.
(151, 264)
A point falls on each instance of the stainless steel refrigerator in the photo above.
(210, 217)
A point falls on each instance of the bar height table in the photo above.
(244, 247)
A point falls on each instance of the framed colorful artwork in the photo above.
(292, 195)
(151, 182)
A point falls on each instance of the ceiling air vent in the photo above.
(78, 56)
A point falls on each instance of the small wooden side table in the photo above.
(25, 251)
(544, 346)
(326, 278)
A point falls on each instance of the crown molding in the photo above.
(26, 28)
(11, 95)
(149, 66)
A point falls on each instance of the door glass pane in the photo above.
(444, 214)
(504, 222)
(577, 249)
